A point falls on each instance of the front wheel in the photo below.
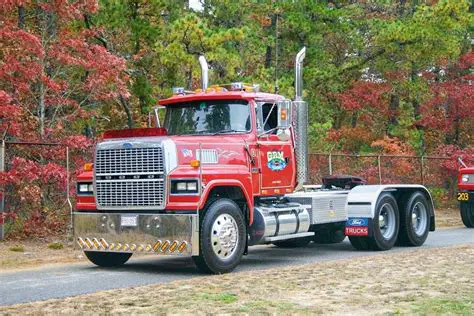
(222, 238)
(107, 259)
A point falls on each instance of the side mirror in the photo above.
(284, 114)
(284, 120)
(154, 117)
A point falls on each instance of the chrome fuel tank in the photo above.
(272, 222)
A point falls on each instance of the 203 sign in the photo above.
(463, 196)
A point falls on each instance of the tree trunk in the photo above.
(268, 53)
(393, 109)
(41, 109)
(126, 107)
(21, 17)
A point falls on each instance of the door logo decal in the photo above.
(275, 160)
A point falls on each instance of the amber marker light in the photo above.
(183, 246)
(195, 163)
(157, 245)
(173, 246)
(165, 246)
(88, 166)
(283, 114)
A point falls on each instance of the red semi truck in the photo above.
(228, 170)
(466, 194)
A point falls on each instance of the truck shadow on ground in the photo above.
(259, 257)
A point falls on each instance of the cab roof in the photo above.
(227, 95)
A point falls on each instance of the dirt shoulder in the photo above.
(35, 253)
(426, 281)
(24, 254)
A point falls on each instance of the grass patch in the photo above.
(56, 245)
(463, 306)
(224, 297)
(17, 248)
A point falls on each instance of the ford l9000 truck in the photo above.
(226, 170)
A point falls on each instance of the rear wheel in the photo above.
(222, 238)
(386, 223)
(293, 243)
(415, 220)
(107, 259)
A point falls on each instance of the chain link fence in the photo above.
(389, 169)
(37, 194)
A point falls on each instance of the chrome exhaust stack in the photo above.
(301, 123)
(204, 73)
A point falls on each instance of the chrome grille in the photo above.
(129, 161)
(130, 193)
(130, 178)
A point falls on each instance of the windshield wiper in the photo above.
(225, 131)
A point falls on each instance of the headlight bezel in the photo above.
(85, 188)
(187, 186)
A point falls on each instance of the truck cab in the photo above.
(465, 195)
(226, 170)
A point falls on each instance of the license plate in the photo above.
(128, 220)
(463, 196)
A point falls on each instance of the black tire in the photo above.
(293, 243)
(467, 213)
(334, 236)
(360, 243)
(416, 205)
(208, 260)
(378, 241)
(107, 259)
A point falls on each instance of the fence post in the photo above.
(422, 172)
(68, 198)
(330, 164)
(2, 192)
(380, 169)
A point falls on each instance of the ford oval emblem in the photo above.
(127, 145)
(356, 222)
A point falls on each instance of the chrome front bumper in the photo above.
(164, 234)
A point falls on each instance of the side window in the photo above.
(269, 116)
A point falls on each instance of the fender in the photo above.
(362, 199)
(227, 182)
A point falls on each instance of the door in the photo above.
(277, 163)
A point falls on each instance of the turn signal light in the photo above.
(283, 114)
(195, 163)
(88, 166)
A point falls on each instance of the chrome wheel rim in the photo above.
(387, 221)
(419, 218)
(224, 236)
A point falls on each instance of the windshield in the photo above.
(208, 117)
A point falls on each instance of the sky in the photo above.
(195, 4)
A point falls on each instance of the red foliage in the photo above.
(35, 72)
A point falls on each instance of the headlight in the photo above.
(184, 186)
(465, 178)
(85, 188)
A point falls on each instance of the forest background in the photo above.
(380, 76)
